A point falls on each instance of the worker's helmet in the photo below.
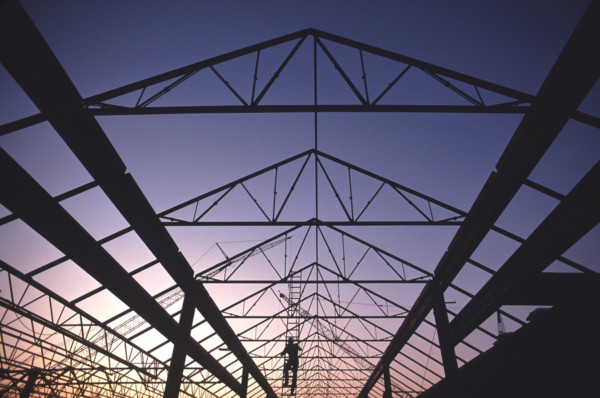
(290, 340)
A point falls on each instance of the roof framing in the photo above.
(31, 62)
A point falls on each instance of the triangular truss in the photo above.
(368, 318)
(358, 197)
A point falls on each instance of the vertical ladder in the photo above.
(293, 321)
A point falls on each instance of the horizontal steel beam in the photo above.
(315, 317)
(572, 77)
(324, 108)
(309, 222)
(313, 282)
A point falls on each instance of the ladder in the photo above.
(294, 315)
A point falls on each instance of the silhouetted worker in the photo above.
(291, 349)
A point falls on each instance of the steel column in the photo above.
(179, 350)
(446, 347)
(244, 382)
(31, 379)
(387, 393)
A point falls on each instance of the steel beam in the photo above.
(578, 213)
(573, 75)
(182, 223)
(446, 347)
(325, 108)
(82, 133)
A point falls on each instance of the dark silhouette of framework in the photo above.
(51, 346)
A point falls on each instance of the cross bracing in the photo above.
(371, 319)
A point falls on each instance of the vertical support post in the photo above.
(178, 358)
(33, 375)
(244, 382)
(387, 393)
(446, 345)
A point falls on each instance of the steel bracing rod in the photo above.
(256, 202)
(226, 83)
(24, 197)
(341, 71)
(573, 75)
(452, 87)
(391, 84)
(279, 70)
(163, 91)
(94, 150)
(576, 215)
